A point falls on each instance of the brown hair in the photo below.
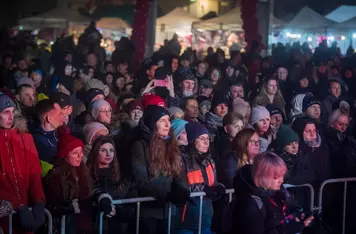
(93, 159)
(164, 158)
(231, 118)
(239, 145)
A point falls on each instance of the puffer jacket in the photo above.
(20, 170)
(200, 169)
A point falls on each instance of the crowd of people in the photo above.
(78, 131)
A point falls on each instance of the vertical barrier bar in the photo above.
(230, 197)
(63, 224)
(50, 221)
(200, 212)
(138, 218)
(344, 208)
(101, 215)
(10, 224)
(169, 218)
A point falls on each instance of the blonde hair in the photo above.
(266, 166)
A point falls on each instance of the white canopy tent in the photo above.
(342, 13)
(62, 17)
(112, 23)
(176, 21)
(309, 20)
(348, 25)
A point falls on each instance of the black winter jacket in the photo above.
(226, 169)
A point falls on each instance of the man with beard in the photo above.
(186, 87)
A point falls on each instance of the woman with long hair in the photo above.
(109, 182)
(262, 205)
(242, 151)
(156, 166)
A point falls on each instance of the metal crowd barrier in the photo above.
(49, 221)
(334, 181)
(311, 189)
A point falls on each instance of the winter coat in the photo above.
(59, 201)
(20, 169)
(162, 187)
(200, 170)
(262, 99)
(260, 211)
(327, 107)
(347, 158)
(221, 142)
(226, 169)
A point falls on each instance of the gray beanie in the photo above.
(6, 102)
(97, 105)
(258, 113)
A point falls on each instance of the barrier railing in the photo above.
(311, 189)
(334, 181)
(49, 221)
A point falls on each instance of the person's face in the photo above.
(272, 87)
(120, 82)
(106, 155)
(309, 133)
(192, 109)
(68, 69)
(215, 75)
(68, 58)
(341, 124)
(276, 120)
(97, 97)
(136, 115)
(175, 64)
(163, 125)
(92, 60)
(22, 65)
(185, 63)
(276, 182)
(202, 143)
(282, 73)
(335, 89)
(237, 92)
(221, 109)
(234, 128)
(183, 140)
(304, 83)
(313, 111)
(201, 69)
(292, 148)
(75, 157)
(204, 109)
(151, 72)
(7, 118)
(27, 97)
(37, 78)
(205, 91)
(322, 68)
(105, 115)
(109, 79)
(110, 68)
(263, 125)
(334, 72)
(230, 71)
(188, 85)
(348, 74)
(56, 117)
(123, 68)
(91, 72)
(101, 132)
(253, 146)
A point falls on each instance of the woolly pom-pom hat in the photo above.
(66, 144)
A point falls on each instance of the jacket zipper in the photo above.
(13, 168)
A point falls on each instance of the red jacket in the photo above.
(20, 170)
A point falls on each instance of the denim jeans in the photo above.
(186, 231)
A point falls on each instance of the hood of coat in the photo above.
(20, 123)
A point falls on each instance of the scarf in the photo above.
(315, 143)
(213, 120)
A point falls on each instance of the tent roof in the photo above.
(57, 17)
(112, 23)
(231, 20)
(309, 19)
(349, 24)
(176, 20)
(124, 12)
(342, 13)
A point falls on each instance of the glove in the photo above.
(27, 221)
(39, 214)
(220, 189)
(215, 192)
(105, 205)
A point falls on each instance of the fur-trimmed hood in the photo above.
(20, 122)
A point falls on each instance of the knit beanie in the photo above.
(96, 106)
(258, 113)
(66, 144)
(178, 126)
(299, 124)
(308, 101)
(152, 99)
(6, 102)
(285, 136)
(195, 130)
(135, 105)
(219, 98)
(152, 114)
(25, 81)
(172, 110)
(90, 129)
(88, 96)
(273, 110)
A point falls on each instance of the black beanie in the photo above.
(88, 96)
(219, 98)
(152, 114)
(299, 124)
(308, 101)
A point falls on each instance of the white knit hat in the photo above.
(96, 106)
(91, 129)
(258, 113)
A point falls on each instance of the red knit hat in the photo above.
(152, 99)
(66, 144)
(135, 105)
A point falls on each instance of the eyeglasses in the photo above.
(256, 143)
(106, 111)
